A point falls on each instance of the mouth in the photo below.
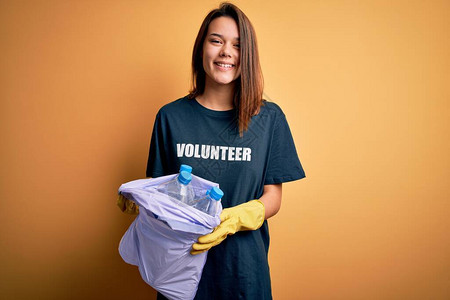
(224, 65)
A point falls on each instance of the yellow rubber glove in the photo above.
(127, 206)
(246, 216)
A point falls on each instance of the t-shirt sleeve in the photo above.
(283, 162)
(156, 157)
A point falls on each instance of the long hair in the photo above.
(249, 85)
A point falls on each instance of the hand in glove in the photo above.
(246, 216)
(127, 206)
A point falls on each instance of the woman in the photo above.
(229, 135)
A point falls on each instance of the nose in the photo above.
(225, 51)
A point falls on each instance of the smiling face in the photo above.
(221, 53)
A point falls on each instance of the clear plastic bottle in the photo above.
(210, 203)
(179, 188)
(188, 169)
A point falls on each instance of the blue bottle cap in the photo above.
(184, 177)
(216, 193)
(186, 168)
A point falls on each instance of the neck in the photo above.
(217, 97)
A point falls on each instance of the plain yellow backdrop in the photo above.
(365, 88)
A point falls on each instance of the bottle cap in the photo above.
(186, 168)
(184, 177)
(216, 193)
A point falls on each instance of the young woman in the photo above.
(229, 135)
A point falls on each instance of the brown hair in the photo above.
(249, 86)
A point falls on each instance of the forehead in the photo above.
(224, 26)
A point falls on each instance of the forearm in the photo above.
(271, 199)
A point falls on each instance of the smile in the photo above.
(224, 65)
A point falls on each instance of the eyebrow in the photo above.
(221, 36)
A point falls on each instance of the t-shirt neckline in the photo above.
(211, 112)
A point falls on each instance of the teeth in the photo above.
(224, 65)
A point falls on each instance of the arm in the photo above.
(271, 199)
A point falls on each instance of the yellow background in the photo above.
(364, 85)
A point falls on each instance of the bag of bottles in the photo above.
(160, 239)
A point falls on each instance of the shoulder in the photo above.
(180, 109)
(176, 106)
(271, 109)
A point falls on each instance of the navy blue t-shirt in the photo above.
(186, 132)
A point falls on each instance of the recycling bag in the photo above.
(160, 239)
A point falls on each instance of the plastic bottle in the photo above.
(179, 188)
(210, 203)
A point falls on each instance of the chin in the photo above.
(224, 81)
(220, 79)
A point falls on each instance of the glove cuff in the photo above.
(263, 212)
(254, 215)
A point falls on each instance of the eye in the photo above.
(215, 41)
(238, 45)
